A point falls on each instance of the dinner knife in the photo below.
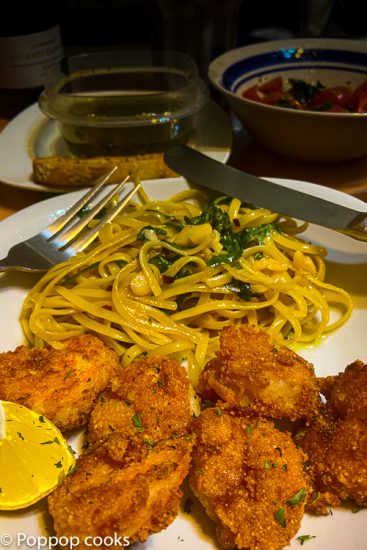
(200, 169)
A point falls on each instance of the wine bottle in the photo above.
(30, 47)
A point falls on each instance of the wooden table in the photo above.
(350, 177)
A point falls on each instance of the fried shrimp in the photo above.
(151, 397)
(249, 477)
(251, 372)
(122, 488)
(336, 441)
(62, 385)
(337, 451)
(128, 482)
(346, 392)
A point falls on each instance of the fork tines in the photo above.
(63, 232)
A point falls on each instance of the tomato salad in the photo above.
(300, 95)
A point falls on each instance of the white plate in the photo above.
(31, 134)
(347, 267)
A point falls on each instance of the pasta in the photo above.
(166, 276)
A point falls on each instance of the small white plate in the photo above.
(346, 267)
(31, 134)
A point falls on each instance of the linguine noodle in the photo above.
(166, 276)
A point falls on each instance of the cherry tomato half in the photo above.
(358, 101)
(337, 96)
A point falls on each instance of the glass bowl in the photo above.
(124, 103)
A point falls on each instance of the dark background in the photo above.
(130, 22)
(92, 24)
(197, 27)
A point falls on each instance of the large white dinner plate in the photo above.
(347, 267)
(31, 134)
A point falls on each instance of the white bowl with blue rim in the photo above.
(301, 134)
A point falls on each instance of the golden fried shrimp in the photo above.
(251, 372)
(346, 393)
(336, 440)
(124, 488)
(62, 385)
(337, 460)
(150, 397)
(250, 478)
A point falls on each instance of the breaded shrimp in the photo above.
(150, 397)
(346, 393)
(124, 488)
(265, 380)
(249, 477)
(337, 452)
(62, 385)
(336, 440)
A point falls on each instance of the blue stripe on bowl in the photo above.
(291, 57)
(245, 79)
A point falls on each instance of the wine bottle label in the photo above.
(25, 61)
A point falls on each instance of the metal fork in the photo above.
(58, 242)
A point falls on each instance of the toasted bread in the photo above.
(79, 172)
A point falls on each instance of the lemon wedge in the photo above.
(34, 456)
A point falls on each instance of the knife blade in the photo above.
(200, 169)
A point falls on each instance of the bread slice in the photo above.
(79, 172)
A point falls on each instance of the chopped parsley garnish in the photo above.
(149, 442)
(243, 290)
(55, 440)
(58, 464)
(20, 435)
(304, 538)
(270, 465)
(71, 450)
(317, 497)
(303, 91)
(136, 418)
(233, 242)
(161, 261)
(184, 272)
(297, 498)
(280, 517)
(42, 419)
